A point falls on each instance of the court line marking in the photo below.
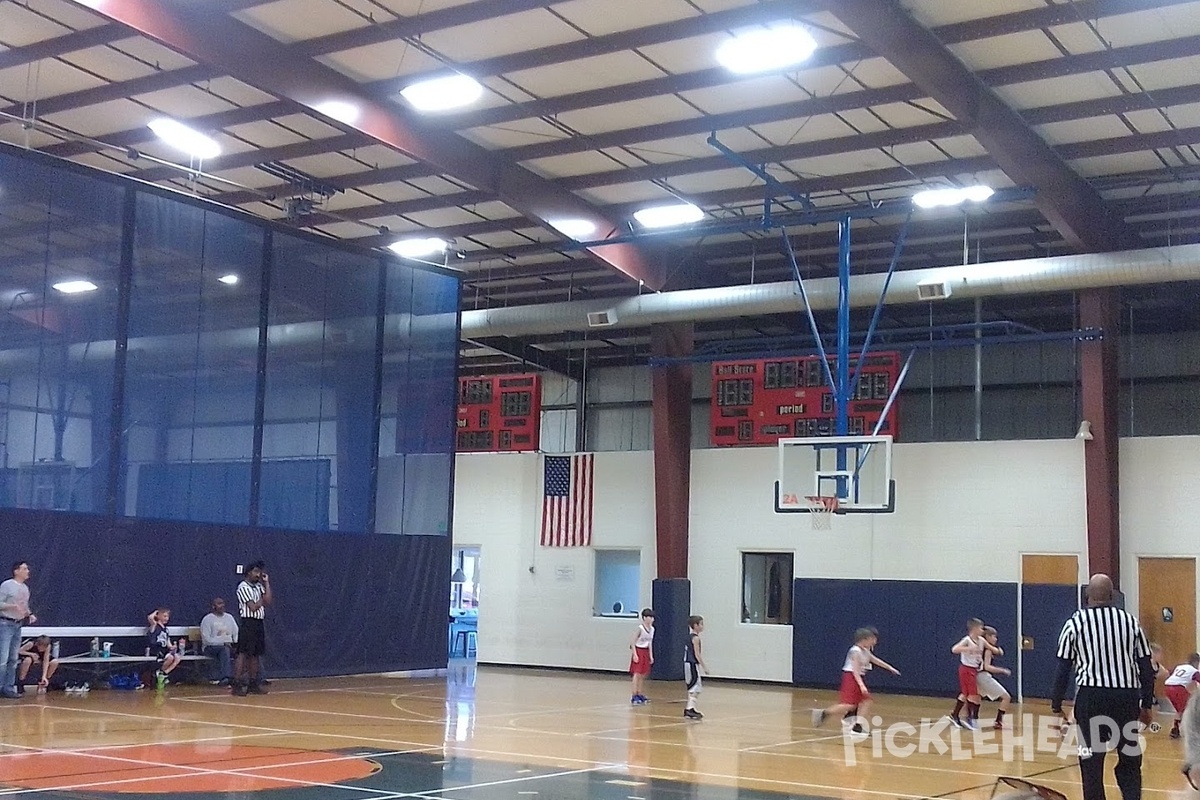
(416, 747)
(144, 744)
(192, 771)
(466, 750)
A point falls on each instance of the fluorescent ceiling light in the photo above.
(339, 110)
(668, 216)
(417, 248)
(184, 139)
(442, 94)
(229, 280)
(577, 229)
(935, 198)
(766, 50)
(75, 287)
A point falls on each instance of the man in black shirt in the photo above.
(1108, 652)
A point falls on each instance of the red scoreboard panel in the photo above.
(763, 401)
(499, 413)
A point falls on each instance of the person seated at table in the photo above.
(218, 632)
(160, 645)
(36, 652)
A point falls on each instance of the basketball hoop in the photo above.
(821, 509)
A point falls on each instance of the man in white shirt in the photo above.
(218, 634)
(14, 612)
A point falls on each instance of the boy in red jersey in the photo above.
(853, 692)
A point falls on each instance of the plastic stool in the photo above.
(467, 638)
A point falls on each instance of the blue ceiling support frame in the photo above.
(842, 386)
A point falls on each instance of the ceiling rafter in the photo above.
(1066, 199)
(607, 44)
(260, 61)
(1067, 65)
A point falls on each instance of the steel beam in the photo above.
(530, 355)
(1063, 196)
(261, 61)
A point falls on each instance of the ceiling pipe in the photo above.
(1031, 276)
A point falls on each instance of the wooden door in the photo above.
(1167, 605)
(1049, 596)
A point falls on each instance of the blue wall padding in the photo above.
(345, 603)
(672, 607)
(918, 622)
(1044, 609)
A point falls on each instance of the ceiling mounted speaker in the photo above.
(602, 319)
(935, 290)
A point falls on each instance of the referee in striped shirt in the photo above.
(1108, 652)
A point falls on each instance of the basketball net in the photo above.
(821, 510)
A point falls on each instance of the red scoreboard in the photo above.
(499, 413)
(765, 400)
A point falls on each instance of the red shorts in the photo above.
(1178, 695)
(642, 665)
(967, 680)
(851, 693)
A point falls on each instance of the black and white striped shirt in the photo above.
(248, 593)
(1104, 644)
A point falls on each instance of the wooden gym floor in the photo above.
(503, 733)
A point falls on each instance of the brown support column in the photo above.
(672, 413)
(1100, 384)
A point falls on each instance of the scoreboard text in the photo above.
(499, 413)
(763, 401)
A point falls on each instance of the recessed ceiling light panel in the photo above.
(75, 287)
(767, 49)
(668, 216)
(339, 110)
(950, 196)
(179, 136)
(418, 248)
(578, 229)
(442, 94)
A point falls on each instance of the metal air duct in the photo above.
(1032, 276)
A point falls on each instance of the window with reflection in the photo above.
(192, 363)
(60, 252)
(319, 416)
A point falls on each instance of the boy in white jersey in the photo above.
(970, 656)
(853, 692)
(1181, 683)
(986, 681)
(643, 656)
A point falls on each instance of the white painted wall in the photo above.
(536, 602)
(966, 511)
(1160, 508)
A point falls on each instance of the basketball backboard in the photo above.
(857, 470)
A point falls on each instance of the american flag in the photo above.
(567, 501)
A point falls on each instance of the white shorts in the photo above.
(691, 677)
(989, 687)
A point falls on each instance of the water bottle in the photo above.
(54, 650)
(95, 647)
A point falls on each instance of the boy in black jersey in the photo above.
(693, 663)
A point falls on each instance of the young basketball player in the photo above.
(853, 692)
(643, 656)
(693, 664)
(1181, 684)
(986, 681)
(970, 655)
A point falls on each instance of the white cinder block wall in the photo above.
(536, 603)
(966, 512)
(1160, 507)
